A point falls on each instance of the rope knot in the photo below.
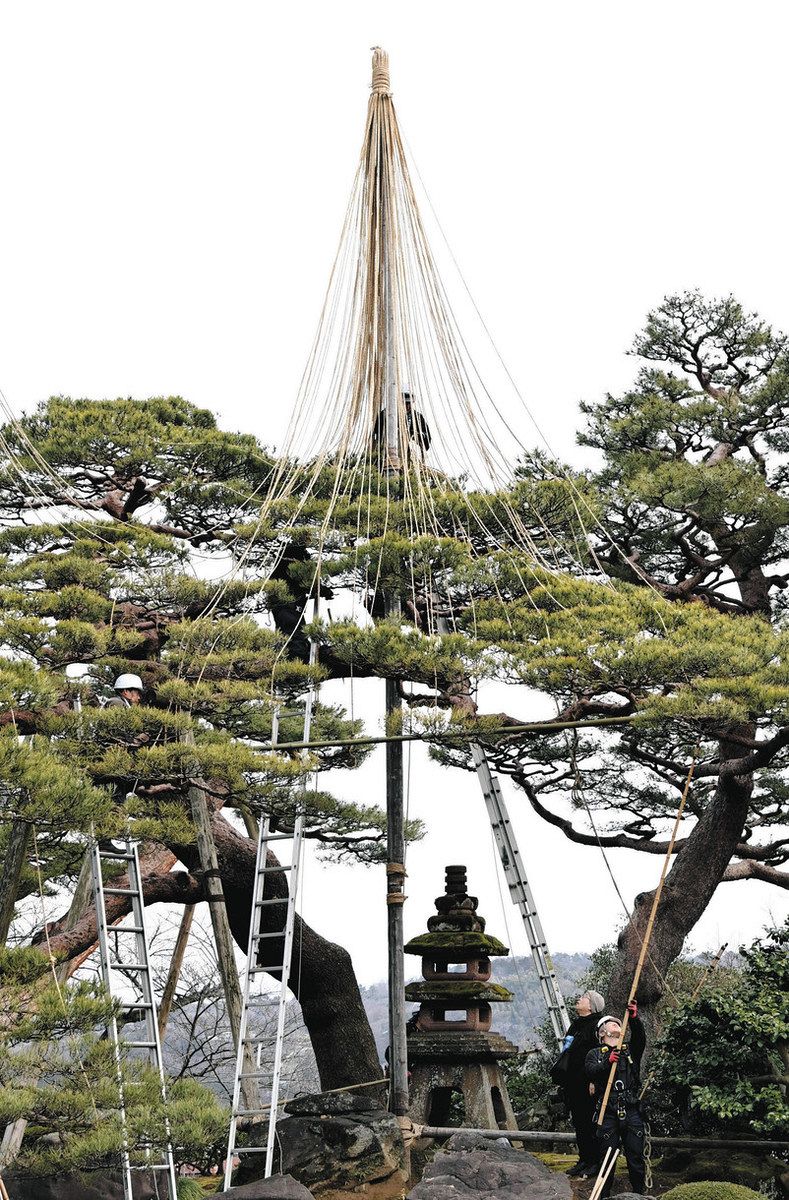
(380, 84)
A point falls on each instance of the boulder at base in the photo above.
(92, 1185)
(471, 1166)
(276, 1187)
(334, 1142)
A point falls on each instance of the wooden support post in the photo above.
(228, 971)
(176, 962)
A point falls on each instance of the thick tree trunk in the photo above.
(12, 873)
(322, 975)
(689, 887)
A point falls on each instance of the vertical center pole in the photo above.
(395, 898)
(395, 830)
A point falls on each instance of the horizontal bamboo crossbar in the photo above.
(438, 1133)
(456, 735)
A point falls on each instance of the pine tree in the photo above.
(89, 590)
(100, 549)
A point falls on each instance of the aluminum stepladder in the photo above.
(252, 971)
(135, 937)
(520, 891)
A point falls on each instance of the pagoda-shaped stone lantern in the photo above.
(452, 1052)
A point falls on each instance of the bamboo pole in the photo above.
(535, 1136)
(176, 963)
(607, 1167)
(648, 932)
(455, 735)
(223, 938)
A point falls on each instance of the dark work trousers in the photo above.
(627, 1133)
(582, 1106)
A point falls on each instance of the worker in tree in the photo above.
(128, 692)
(417, 430)
(622, 1125)
(580, 1038)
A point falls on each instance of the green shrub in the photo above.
(713, 1190)
(189, 1189)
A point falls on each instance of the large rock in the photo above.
(356, 1142)
(277, 1187)
(471, 1166)
(93, 1185)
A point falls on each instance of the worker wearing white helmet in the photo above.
(128, 691)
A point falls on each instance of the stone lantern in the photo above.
(451, 1049)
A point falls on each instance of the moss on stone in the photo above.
(464, 991)
(469, 943)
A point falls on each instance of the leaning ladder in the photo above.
(140, 966)
(252, 1000)
(520, 891)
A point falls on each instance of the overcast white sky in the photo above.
(174, 177)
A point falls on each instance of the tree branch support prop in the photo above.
(228, 971)
(176, 963)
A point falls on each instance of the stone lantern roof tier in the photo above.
(464, 991)
(456, 1047)
(456, 944)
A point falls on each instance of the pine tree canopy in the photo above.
(139, 537)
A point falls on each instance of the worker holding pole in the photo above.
(622, 1123)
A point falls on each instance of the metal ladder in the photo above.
(262, 1000)
(520, 891)
(111, 964)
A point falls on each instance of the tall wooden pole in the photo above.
(226, 961)
(395, 830)
(228, 970)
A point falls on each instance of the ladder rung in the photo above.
(139, 1045)
(125, 929)
(118, 855)
(136, 1006)
(121, 891)
(250, 1149)
(279, 837)
(276, 900)
(258, 937)
(273, 870)
(253, 1074)
(132, 967)
(268, 970)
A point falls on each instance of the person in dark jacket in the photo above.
(581, 1037)
(622, 1125)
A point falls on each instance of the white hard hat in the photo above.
(128, 681)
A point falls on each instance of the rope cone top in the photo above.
(380, 84)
